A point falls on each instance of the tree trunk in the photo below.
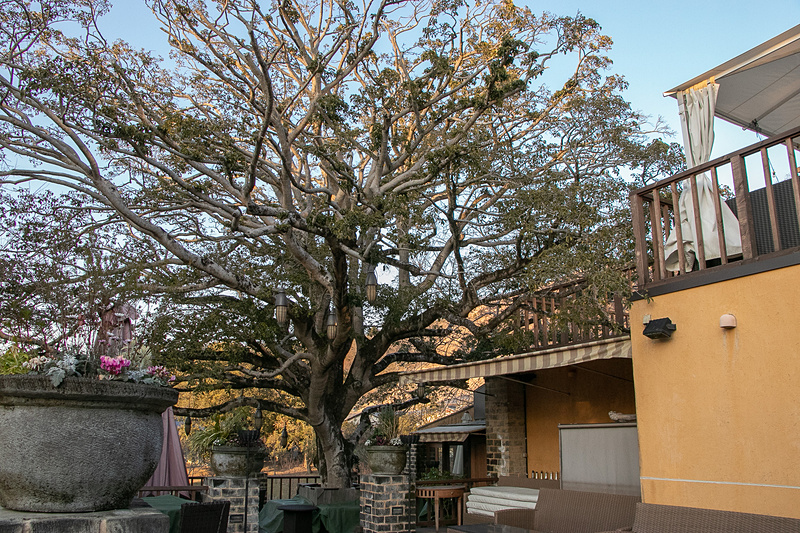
(334, 467)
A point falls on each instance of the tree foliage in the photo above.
(468, 152)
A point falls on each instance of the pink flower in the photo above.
(158, 372)
(114, 365)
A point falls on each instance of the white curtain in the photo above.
(696, 108)
(457, 468)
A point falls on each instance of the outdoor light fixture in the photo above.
(281, 307)
(420, 391)
(332, 324)
(372, 286)
(284, 437)
(727, 321)
(258, 419)
(659, 328)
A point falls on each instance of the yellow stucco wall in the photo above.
(719, 410)
(591, 396)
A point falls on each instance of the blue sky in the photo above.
(660, 44)
(657, 45)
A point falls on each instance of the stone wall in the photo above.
(388, 504)
(506, 452)
(139, 520)
(234, 490)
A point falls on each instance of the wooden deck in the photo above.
(765, 199)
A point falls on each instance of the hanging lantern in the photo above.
(332, 324)
(284, 437)
(281, 307)
(258, 419)
(372, 286)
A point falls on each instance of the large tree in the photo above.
(299, 146)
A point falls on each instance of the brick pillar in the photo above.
(388, 504)
(411, 463)
(234, 489)
(506, 452)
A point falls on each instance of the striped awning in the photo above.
(450, 433)
(618, 348)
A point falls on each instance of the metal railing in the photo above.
(766, 206)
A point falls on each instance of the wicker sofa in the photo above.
(652, 518)
(571, 511)
(483, 503)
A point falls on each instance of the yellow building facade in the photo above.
(719, 409)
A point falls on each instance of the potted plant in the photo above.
(228, 446)
(79, 432)
(386, 453)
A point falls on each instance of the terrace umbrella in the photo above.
(171, 469)
(696, 107)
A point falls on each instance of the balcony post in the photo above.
(744, 209)
(640, 235)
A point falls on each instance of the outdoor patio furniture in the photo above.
(437, 493)
(652, 518)
(169, 505)
(298, 518)
(486, 528)
(211, 517)
(572, 511)
(511, 492)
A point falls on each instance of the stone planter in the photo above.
(87, 445)
(387, 459)
(236, 460)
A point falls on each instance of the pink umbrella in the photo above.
(171, 469)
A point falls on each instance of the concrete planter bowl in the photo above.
(87, 445)
(387, 459)
(236, 460)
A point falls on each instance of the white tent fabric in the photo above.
(696, 107)
(759, 89)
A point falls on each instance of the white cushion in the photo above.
(475, 510)
(508, 493)
(502, 503)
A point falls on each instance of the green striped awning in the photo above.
(618, 348)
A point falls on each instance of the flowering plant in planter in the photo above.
(119, 368)
(386, 429)
(383, 441)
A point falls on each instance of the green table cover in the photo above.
(169, 505)
(340, 517)
(334, 517)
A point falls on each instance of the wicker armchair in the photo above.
(209, 517)
(652, 518)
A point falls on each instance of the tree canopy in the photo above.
(465, 152)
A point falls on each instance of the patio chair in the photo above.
(211, 517)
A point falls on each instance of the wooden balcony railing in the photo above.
(541, 315)
(765, 199)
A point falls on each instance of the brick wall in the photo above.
(387, 504)
(411, 462)
(505, 428)
(234, 489)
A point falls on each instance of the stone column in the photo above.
(388, 504)
(506, 449)
(237, 490)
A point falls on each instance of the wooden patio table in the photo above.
(438, 492)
